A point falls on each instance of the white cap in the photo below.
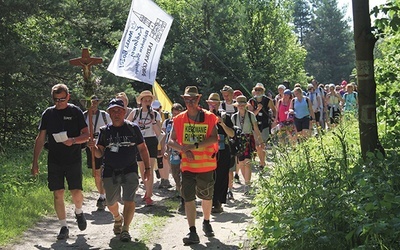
(156, 104)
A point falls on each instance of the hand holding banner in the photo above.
(140, 48)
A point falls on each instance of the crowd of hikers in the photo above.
(205, 149)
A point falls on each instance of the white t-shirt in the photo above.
(229, 108)
(100, 120)
(145, 121)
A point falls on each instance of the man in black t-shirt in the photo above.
(65, 127)
(118, 144)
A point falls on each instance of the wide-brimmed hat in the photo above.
(191, 91)
(115, 103)
(144, 94)
(281, 86)
(214, 97)
(259, 85)
(94, 98)
(227, 88)
(240, 99)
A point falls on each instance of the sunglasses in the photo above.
(59, 99)
(259, 90)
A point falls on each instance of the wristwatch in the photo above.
(73, 141)
(196, 144)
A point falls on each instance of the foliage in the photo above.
(322, 196)
(18, 189)
(329, 43)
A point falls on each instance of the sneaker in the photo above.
(247, 190)
(64, 233)
(149, 201)
(81, 220)
(118, 226)
(125, 236)
(237, 180)
(207, 229)
(101, 204)
(191, 238)
(230, 195)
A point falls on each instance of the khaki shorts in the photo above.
(197, 184)
(129, 184)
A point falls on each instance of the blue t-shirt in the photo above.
(301, 108)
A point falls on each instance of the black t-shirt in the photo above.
(120, 145)
(69, 119)
(263, 117)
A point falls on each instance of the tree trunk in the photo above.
(364, 44)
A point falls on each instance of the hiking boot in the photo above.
(118, 226)
(149, 201)
(229, 195)
(125, 236)
(164, 183)
(64, 233)
(81, 220)
(101, 204)
(207, 229)
(191, 238)
(247, 190)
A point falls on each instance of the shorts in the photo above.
(152, 144)
(335, 115)
(317, 116)
(197, 184)
(58, 173)
(129, 184)
(98, 162)
(233, 164)
(302, 123)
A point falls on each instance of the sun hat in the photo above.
(214, 97)
(94, 98)
(191, 91)
(240, 99)
(281, 86)
(227, 88)
(156, 104)
(144, 94)
(259, 85)
(236, 93)
(115, 103)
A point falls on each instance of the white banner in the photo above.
(140, 48)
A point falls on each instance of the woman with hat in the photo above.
(225, 130)
(149, 122)
(247, 122)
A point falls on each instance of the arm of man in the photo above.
(144, 155)
(39, 142)
(82, 138)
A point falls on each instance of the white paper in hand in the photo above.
(60, 137)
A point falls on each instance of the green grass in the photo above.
(23, 198)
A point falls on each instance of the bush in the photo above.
(321, 196)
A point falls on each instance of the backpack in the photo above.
(238, 142)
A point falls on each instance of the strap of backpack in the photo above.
(103, 114)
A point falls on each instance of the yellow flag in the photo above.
(161, 96)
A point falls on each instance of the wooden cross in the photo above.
(85, 62)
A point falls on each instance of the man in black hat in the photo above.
(100, 118)
(119, 142)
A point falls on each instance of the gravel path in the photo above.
(229, 226)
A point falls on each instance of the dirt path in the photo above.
(229, 226)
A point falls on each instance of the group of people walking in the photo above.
(194, 145)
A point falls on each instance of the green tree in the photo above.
(302, 18)
(330, 56)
